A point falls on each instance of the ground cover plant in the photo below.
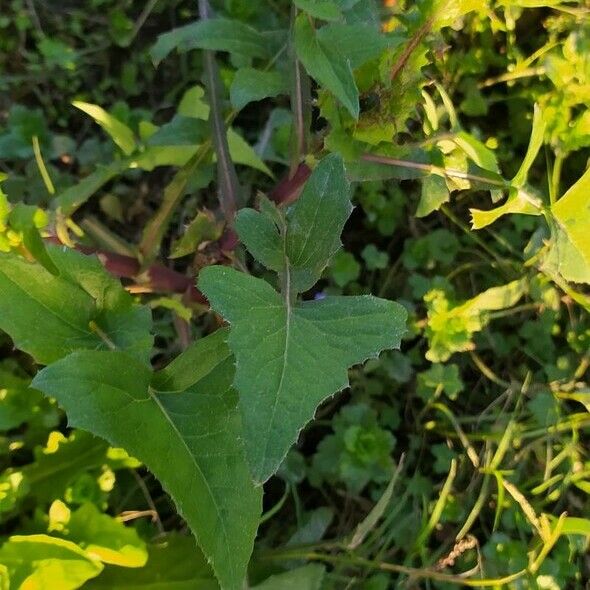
(294, 294)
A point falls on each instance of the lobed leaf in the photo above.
(291, 355)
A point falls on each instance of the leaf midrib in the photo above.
(168, 418)
(46, 307)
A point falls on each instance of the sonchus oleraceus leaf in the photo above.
(291, 355)
(570, 225)
(183, 424)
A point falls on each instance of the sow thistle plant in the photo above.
(278, 340)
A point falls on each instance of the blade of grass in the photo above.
(438, 507)
(42, 168)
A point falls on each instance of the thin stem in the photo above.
(42, 168)
(415, 573)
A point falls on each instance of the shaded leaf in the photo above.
(250, 85)
(323, 9)
(358, 43)
(328, 68)
(219, 34)
(307, 577)
(99, 313)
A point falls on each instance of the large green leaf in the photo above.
(329, 68)
(81, 308)
(570, 251)
(183, 426)
(41, 561)
(291, 355)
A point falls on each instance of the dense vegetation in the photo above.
(294, 294)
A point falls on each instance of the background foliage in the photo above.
(466, 127)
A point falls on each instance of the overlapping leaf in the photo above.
(82, 307)
(291, 355)
(183, 425)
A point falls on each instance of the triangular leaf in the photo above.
(570, 252)
(189, 440)
(290, 355)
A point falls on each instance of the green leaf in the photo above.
(250, 85)
(41, 561)
(308, 577)
(118, 131)
(438, 379)
(174, 563)
(344, 268)
(218, 34)
(570, 251)
(451, 326)
(343, 39)
(203, 228)
(519, 201)
(99, 313)
(535, 143)
(329, 68)
(24, 219)
(323, 9)
(260, 234)
(241, 152)
(104, 538)
(477, 151)
(180, 130)
(188, 439)
(434, 194)
(71, 199)
(576, 526)
(314, 224)
(192, 104)
(291, 355)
